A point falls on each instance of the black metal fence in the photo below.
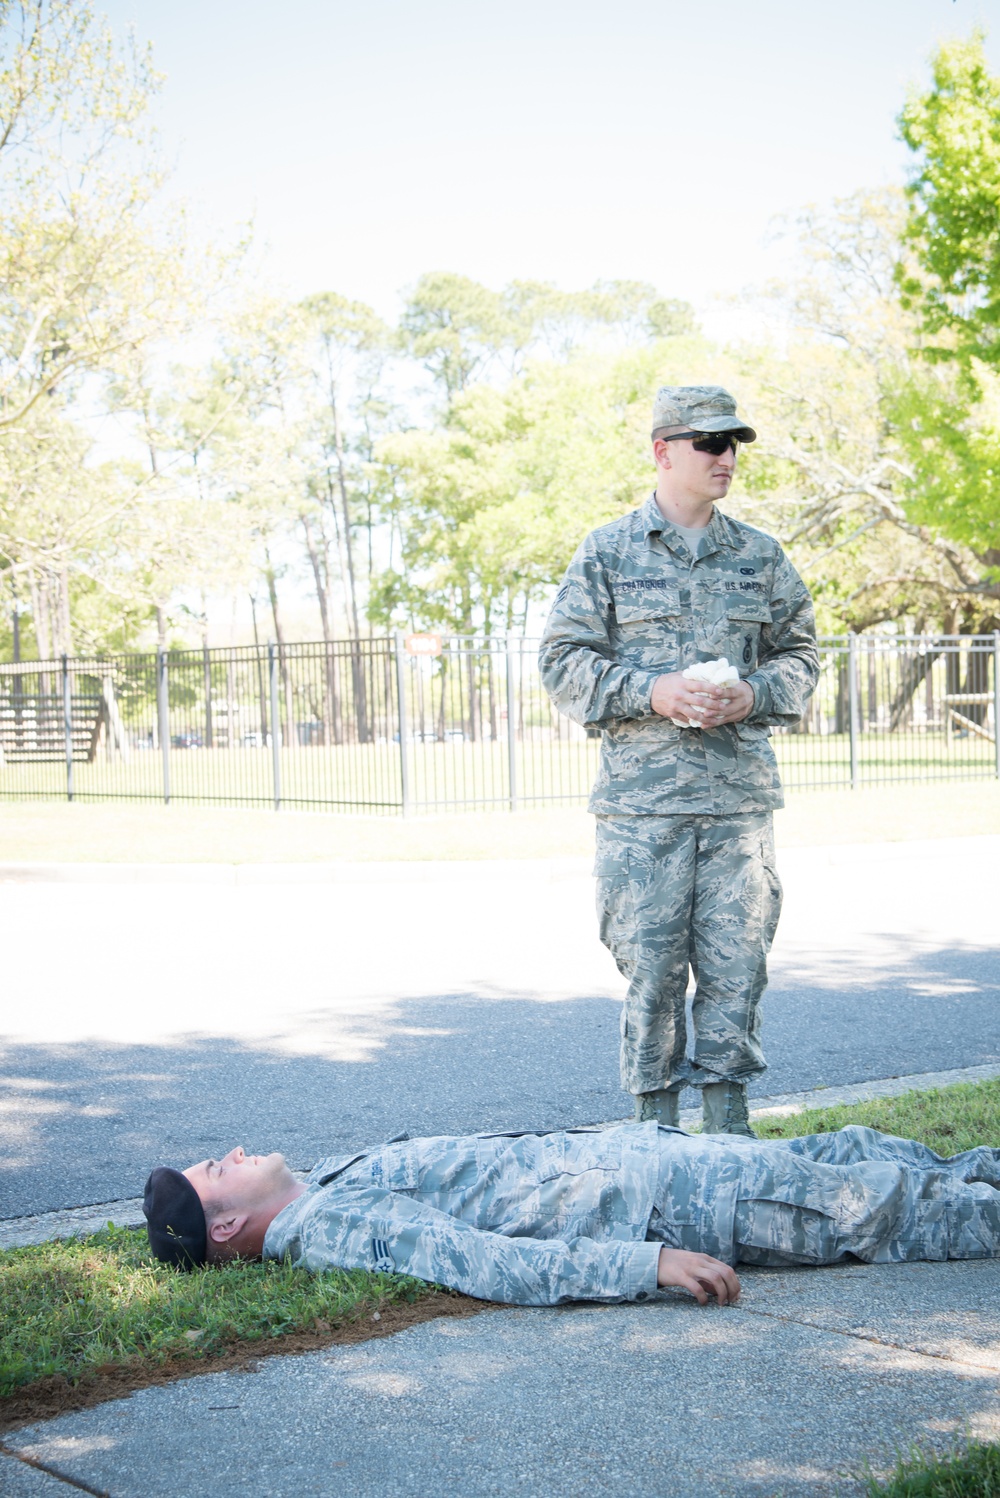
(443, 724)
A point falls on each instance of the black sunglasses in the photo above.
(715, 443)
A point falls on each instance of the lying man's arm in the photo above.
(377, 1229)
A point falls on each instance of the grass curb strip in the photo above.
(87, 1319)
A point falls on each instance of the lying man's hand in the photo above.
(699, 1273)
(676, 696)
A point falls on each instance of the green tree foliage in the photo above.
(83, 276)
(954, 221)
(948, 415)
(348, 349)
(462, 331)
(840, 472)
(442, 472)
(90, 275)
(950, 434)
(488, 508)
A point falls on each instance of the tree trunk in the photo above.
(272, 589)
(65, 622)
(912, 671)
(338, 443)
(842, 707)
(260, 673)
(321, 572)
(354, 622)
(977, 679)
(43, 640)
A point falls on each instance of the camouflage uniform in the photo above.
(685, 858)
(537, 1219)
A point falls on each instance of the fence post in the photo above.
(996, 700)
(852, 700)
(163, 719)
(511, 727)
(68, 727)
(404, 727)
(272, 669)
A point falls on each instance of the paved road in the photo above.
(147, 1021)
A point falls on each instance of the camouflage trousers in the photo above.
(856, 1192)
(698, 892)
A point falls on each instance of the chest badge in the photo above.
(748, 571)
(747, 649)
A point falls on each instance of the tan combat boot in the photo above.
(660, 1107)
(724, 1109)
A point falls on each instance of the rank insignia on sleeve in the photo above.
(384, 1262)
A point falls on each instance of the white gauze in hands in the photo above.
(720, 673)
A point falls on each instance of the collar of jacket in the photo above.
(718, 531)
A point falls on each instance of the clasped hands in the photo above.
(701, 702)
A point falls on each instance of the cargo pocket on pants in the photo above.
(771, 893)
(616, 908)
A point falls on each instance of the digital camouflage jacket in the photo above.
(636, 604)
(530, 1219)
(535, 1219)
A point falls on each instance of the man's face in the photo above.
(243, 1182)
(702, 475)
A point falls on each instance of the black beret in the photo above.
(175, 1219)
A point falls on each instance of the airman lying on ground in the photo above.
(608, 1214)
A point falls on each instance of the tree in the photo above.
(348, 348)
(949, 416)
(83, 277)
(953, 224)
(91, 276)
(836, 472)
(488, 508)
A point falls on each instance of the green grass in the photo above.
(971, 1472)
(72, 1308)
(120, 832)
(949, 1119)
(367, 777)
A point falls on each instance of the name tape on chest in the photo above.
(643, 584)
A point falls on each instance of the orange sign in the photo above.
(422, 644)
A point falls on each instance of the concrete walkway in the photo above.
(814, 1374)
(305, 1014)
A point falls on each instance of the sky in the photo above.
(375, 140)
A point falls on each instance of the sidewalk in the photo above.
(813, 1374)
(887, 962)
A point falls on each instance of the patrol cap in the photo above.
(175, 1219)
(698, 408)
